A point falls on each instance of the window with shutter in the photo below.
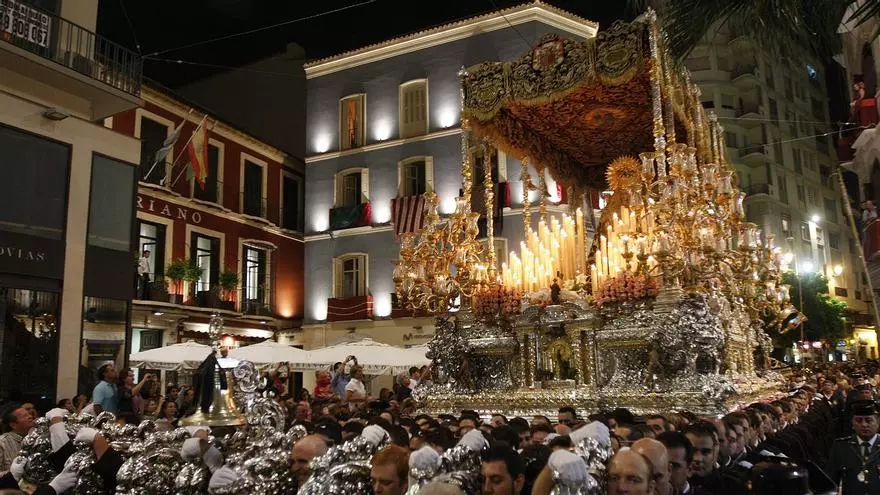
(352, 128)
(414, 108)
(351, 189)
(415, 176)
(350, 276)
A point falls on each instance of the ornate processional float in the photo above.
(661, 307)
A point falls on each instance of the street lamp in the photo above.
(838, 269)
(815, 218)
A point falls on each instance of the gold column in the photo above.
(489, 196)
(542, 191)
(574, 338)
(526, 188)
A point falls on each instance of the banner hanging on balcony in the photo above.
(347, 217)
(20, 20)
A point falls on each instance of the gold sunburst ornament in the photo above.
(623, 173)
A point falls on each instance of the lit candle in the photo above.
(594, 281)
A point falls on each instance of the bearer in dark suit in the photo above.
(855, 460)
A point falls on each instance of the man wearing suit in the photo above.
(855, 460)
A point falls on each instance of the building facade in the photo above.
(858, 148)
(383, 126)
(67, 193)
(776, 121)
(233, 247)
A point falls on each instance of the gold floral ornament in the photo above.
(623, 173)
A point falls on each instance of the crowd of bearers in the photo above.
(823, 432)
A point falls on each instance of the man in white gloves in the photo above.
(306, 449)
(62, 448)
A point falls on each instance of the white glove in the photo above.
(191, 449)
(65, 479)
(89, 410)
(424, 458)
(568, 467)
(213, 458)
(86, 435)
(374, 434)
(595, 430)
(549, 437)
(195, 429)
(58, 436)
(222, 478)
(473, 440)
(57, 413)
(17, 467)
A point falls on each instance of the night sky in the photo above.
(160, 25)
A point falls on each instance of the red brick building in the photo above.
(233, 247)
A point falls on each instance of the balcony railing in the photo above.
(758, 189)
(751, 149)
(744, 69)
(253, 302)
(61, 41)
(351, 308)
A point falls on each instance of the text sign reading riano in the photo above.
(166, 209)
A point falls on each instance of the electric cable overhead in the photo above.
(213, 66)
(259, 29)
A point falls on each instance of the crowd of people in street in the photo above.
(822, 433)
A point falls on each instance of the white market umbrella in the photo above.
(375, 357)
(271, 352)
(175, 357)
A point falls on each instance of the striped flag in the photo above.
(408, 214)
(198, 154)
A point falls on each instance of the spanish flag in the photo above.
(198, 154)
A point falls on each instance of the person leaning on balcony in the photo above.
(869, 212)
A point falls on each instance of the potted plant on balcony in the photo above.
(176, 272)
(228, 282)
(192, 274)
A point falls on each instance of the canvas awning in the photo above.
(175, 357)
(375, 357)
(271, 352)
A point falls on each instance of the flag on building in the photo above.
(198, 154)
(168, 145)
(408, 214)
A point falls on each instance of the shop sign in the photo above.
(166, 209)
(28, 255)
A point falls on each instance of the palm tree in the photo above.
(811, 24)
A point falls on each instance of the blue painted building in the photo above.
(383, 123)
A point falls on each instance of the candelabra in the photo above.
(441, 263)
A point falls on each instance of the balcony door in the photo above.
(253, 189)
(205, 253)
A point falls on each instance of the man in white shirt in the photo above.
(17, 423)
(144, 274)
(355, 391)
